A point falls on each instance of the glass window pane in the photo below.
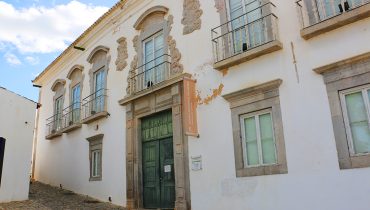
(267, 139)
(98, 163)
(251, 141)
(358, 122)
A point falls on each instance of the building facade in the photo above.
(16, 136)
(213, 104)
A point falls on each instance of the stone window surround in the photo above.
(149, 23)
(249, 100)
(96, 143)
(148, 31)
(76, 69)
(267, 48)
(166, 97)
(338, 21)
(99, 59)
(57, 94)
(97, 65)
(338, 76)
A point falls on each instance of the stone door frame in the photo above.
(169, 97)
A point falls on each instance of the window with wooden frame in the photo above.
(153, 59)
(348, 88)
(96, 157)
(95, 163)
(356, 111)
(259, 146)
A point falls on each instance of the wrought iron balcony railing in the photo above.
(71, 115)
(151, 73)
(253, 29)
(94, 103)
(315, 11)
(54, 124)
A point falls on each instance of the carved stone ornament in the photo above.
(122, 54)
(191, 16)
(133, 66)
(220, 5)
(176, 66)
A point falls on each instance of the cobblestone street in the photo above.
(45, 197)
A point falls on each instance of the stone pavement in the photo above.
(45, 197)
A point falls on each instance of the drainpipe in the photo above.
(34, 149)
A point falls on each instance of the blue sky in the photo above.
(34, 32)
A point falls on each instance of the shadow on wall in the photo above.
(2, 151)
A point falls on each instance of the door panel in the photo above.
(2, 152)
(167, 174)
(151, 178)
(158, 161)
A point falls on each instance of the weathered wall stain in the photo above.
(203, 73)
(215, 93)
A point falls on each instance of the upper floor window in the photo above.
(356, 108)
(320, 16)
(153, 49)
(99, 91)
(54, 124)
(152, 64)
(95, 105)
(73, 112)
(58, 113)
(76, 103)
(247, 26)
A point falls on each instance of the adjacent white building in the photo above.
(17, 125)
(282, 116)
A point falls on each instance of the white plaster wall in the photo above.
(314, 180)
(17, 120)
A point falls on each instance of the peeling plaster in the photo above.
(215, 93)
(203, 73)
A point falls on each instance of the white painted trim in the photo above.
(363, 89)
(256, 115)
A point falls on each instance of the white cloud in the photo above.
(12, 59)
(32, 60)
(43, 30)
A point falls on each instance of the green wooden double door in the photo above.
(158, 162)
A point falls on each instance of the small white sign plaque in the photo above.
(167, 168)
(196, 163)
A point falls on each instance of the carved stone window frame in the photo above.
(148, 25)
(77, 69)
(340, 76)
(146, 30)
(98, 63)
(58, 92)
(249, 100)
(96, 143)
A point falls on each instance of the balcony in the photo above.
(94, 106)
(71, 118)
(320, 16)
(54, 126)
(246, 37)
(151, 74)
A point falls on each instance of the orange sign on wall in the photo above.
(190, 108)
